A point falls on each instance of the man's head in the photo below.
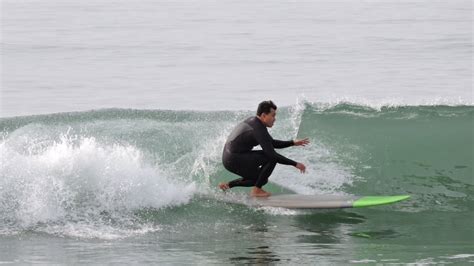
(266, 112)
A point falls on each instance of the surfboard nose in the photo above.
(378, 200)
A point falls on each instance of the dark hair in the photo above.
(265, 107)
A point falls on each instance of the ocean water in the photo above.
(113, 116)
(65, 55)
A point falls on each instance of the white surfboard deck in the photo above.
(297, 201)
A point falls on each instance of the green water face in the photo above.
(424, 152)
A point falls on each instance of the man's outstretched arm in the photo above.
(266, 142)
(280, 144)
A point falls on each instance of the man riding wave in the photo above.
(256, 166)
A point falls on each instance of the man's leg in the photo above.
(239, 182)
(242, 182)
(247, 165)
(255, 169)
(265, 172)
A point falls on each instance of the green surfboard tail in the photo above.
(377, 200)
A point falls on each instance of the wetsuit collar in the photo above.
(261, 122)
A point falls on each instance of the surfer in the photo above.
(256, 166)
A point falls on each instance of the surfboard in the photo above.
(296, 201)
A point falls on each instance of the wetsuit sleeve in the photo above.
(266, 142)
(280, 144)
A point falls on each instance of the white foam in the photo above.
(324, 103)
(208, 155)
(460, 256)
(280, 211)
(296, 113)
(363, 261)
(324, 174)
(100, 231)
(67, 187)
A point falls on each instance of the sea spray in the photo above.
(82, 185)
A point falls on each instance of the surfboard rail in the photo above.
(297, 201)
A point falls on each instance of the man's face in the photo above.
(269, 119)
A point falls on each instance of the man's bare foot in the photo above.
(258, 192)
(224, 186)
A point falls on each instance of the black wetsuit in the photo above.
(254, 166)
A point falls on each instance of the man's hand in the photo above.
(301, 142)
(301, 167)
